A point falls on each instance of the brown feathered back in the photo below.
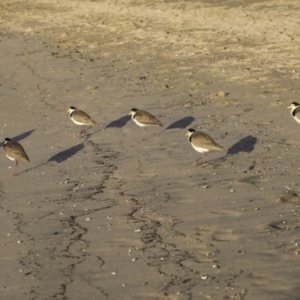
(81, 116)
(146, 118)
(203, 140)
(16, 151)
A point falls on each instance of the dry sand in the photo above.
(111, 217)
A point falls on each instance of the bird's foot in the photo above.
(202, 164)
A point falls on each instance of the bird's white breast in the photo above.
(11, 158)
(78, 123)
(296, 119)
(138, 123)
(199, 149)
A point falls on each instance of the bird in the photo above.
(295, 111)
(80, 118)
(202, 143)
(14, 151)
(143, 119)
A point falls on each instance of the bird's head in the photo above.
(133, 111)
(6, 140)
(190, 132)
(293, 105)
(71, 109)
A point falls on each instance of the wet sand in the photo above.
(110, 216)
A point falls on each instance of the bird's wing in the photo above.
(146, 118)
(203, 140)
(83, 117)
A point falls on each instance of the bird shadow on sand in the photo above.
(182, 123)
(66, 154)
(179, 124)
(245, 144)
(213, 161)
(119, 123)
(19, 137)
(59, 157)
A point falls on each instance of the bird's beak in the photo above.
(130, 114)
(68, 110)
(187, 133)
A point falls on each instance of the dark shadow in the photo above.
(30, 169)
(246, 144)
(59, 157)
(64, 155)
(182, 123)
(19, 137)
(218, 160)
(87, 135)
(119, 122)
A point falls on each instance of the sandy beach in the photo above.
(110, 216)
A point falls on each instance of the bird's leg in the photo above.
(144, 131)
(15, 172)
(81, 130)
(203, 156)
(204, 163)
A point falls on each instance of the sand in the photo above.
(110, 216)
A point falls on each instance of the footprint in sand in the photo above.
(227, 213)
(225, 235)
(222, 235)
